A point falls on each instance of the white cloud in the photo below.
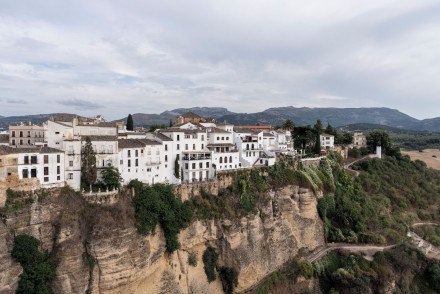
(243, 55)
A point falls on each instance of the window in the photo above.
(13, 133)
(33, 173)
(203, 146)
(137, 153)
(178, 137)
(71, 163)
(186, 165)
(25, 174)
(166, 147)
(46, 170)
(200, 164)
(193, 166)
(121, 162)
(203, 137)
(221, 159)
(226, 159)
(218, 138)
(26, 160)
(166, 158)
(58, 158)
(13, 141)
(129, 163)
(194, 146)
(34, 159)
(137, 162)
(186, 146)
(29, 134)
(21, 142)
(223, 138)
(21, 133)
(70, 176)
(103, 162)
(57, 133)
(46, 159)
(178, 147)
(207, 164)
(46, 179)
(58, 170)
(29, 142)
(58, 178)
(129, 153)
(230, 159)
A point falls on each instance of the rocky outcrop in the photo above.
(100, 251)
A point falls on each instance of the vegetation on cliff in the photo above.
(38, 268)
(157, 204)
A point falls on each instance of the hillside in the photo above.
(5, 122)
(334, 116)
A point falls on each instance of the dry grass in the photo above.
(426, 156)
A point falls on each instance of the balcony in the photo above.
(153, 163)
(196, 157)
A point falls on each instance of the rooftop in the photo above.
(100, 138)
(190, 114)
(42, 150)
(4, 138)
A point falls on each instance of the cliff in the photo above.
(100, 251)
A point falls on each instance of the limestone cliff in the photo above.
(100, 251)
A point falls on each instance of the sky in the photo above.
(121, 56)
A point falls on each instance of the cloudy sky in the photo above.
(122, 56)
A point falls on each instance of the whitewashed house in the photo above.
(327, 141)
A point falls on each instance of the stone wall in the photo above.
(13, 182)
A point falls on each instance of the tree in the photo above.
(111, 176)
(330, 130)
(171, 123)
(129, 123)
(318, 131)
(88, 164)
(303, 136)
(155, 127)
(38, 268)
(378, 138)
(288, 125)
(176, 167)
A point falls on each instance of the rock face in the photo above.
(99, 250)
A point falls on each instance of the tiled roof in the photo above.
(130, 143)
(190, 114)
(149, 142)
(243, 130)
(162, 137)
(219, 131)
(100, 138)
(268, 135)
(4, 138)
(66, 117)
(42, 150)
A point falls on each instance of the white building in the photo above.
(327, 141)
(225, 154)
(46, 164)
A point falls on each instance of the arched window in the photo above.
(230, 159)
(221, 159)
(252, 146)
(226, 159)
(247, 146)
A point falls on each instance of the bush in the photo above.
(38, 268)
(306, 269)
(209, 260)
(229, 277)
(192, 258)
(158, 205)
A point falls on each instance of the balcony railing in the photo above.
(202, 157)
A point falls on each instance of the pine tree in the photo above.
(88, 164)
(129, 123)
(171, 123)
(318, 131)
(177, 167)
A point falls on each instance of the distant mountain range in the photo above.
(300, 116)
(275, 116)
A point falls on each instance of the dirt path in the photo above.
(369, 250)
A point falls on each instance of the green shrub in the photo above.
(38, 268)
(306, 269)
(192, 258)
(209, 260)
(229, 277)
(158, 205)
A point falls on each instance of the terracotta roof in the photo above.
(42, 150)
(243, 130)
(130, 143)
(4, 138)
(100, 138)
